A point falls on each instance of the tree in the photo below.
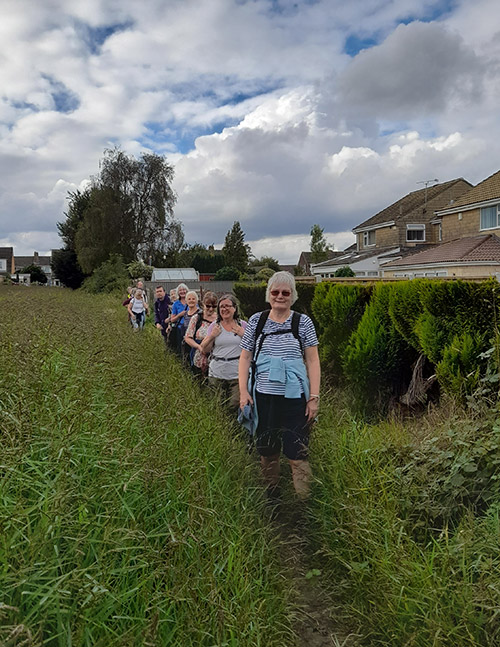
(236, 252)
(138, 270)
(345, 271)
(319, 245)
(126, 210)
(66, 268)
(110, 276)
(37, 275)
(227, 273)
(64, 262)
(266, 261)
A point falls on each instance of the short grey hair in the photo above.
(179, 287)
(282, 278)
(192, 292)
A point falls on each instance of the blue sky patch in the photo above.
(65, 100)
(354, 44)
(95, 37)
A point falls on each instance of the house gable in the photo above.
(407, 221)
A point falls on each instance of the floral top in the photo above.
(200, 360)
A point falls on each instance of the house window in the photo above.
(490, 217)
(368, 238)
(440, 232)
(415, 233)
(3, 264)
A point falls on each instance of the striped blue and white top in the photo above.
(284, 346)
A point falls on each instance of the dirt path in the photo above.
(316, 613)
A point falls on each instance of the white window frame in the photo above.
(366, 238)
(481, 228)
(415, 227)
(3, 264)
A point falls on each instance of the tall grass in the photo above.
(407, 583)
(129, 512)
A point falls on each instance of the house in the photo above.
(477, 211)
(396, 231)
(305, 260)
(410, 221)
(6, 262)
(20, 262)
(468, 257)
(364, 263)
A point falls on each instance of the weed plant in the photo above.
(130, 514)
(408, 518)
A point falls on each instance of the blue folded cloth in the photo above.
(246, 418)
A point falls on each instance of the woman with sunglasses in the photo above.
(223, 341)
(285, 384)
(197, 331)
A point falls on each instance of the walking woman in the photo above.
(223, 340)
(138, 309)
(197, 331)
(192, 310)
(179, 309)
(285, 388)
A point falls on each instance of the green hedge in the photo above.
(252, 298)
(371, 336)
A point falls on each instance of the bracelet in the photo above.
(313, 397)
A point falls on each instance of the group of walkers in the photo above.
(268, 368)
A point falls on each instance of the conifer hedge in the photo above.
(372, 335)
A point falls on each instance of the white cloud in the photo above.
(311, 136)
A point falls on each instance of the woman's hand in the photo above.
(312, 407)
(216, 331)
(238, 330)
(245, 398)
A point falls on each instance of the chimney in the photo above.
(36, 260)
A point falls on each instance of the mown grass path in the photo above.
(129, 512)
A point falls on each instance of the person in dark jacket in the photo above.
(162, 312)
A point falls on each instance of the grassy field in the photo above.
(129, 512)
(407, 519)
(132, 515)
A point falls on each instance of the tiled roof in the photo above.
(488, 189)
(353, 256)
(476, 248)
(24, 261)
(433, 195)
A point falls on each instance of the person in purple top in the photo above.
(162, 312)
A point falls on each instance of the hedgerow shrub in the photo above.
(252, 298)
(450, 473)
(405, 307)
(337, 309)
(110, 276)
(377, 359)
(460, 369)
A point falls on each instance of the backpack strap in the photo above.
(260, 336)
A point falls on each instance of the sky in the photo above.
(278, 114)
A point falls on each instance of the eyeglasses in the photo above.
(210, 305)
(224, 307)
(276, 293)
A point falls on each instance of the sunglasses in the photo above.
(276, 293)
(210, 305)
